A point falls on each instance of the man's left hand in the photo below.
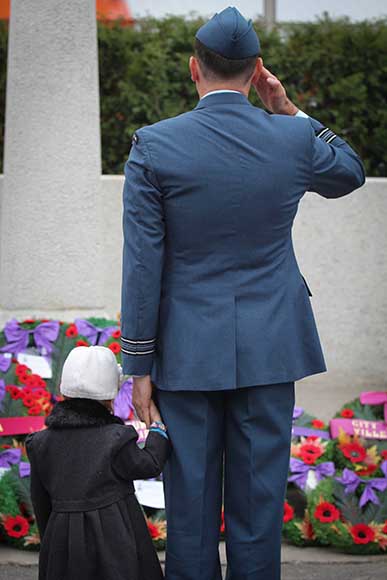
(142, 398)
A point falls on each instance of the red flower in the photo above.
(288, 512)
(6, 446)
(368, 470)
(35, 381)
(347, 413)
(362, 534)
(153, 530)
(35, 409)
(29, 321)
(71, 331)
(21, 369)
(309, 453)
(39, 393)
(27, 392)
(116, 334)
(384, 454)
(355, 452)
(28, 401)
(384, 530)
(115, 347)
(23, 378)
(15, 392)
(16, 527)
(82, 343)
(326, 513)
(317, 424)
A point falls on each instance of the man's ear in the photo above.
(257, 71)
(194, 69)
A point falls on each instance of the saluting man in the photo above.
(215, 312)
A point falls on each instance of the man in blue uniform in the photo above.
(215, 312)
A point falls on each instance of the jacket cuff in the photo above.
(137, 355)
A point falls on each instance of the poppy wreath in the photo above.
(23, 393)
(17, 522)
(43, 336)
(97, 331)
(311, 460)
(361, 434)
(341, 519)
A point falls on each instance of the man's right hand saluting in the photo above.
(273, 94)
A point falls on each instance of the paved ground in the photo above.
(298, 564)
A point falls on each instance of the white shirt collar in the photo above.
(220, 91)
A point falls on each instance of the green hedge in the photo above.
(335, 70)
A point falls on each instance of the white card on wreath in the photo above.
(39, 365)
(150, 493)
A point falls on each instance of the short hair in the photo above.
(215, 66)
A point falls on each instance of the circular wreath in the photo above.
(355, 451)
(340, 518)
(17, 522)
(311, 461)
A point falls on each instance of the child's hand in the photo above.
(154, 412)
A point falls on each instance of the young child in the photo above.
(82, 472)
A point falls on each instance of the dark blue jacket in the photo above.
(212, 296)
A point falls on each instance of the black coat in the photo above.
(82, 472)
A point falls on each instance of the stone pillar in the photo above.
(50, 234)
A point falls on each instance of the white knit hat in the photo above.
(90, 373)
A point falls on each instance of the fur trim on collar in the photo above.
(73, 413)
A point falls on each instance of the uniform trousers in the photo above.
(230, 446)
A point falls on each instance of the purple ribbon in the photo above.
(24, 469)
(5, 363)
(309, 432)
(17, 337)
(10, 457)
(301, 470)
(2, 392)
(351, 482)
(123, 402)
(91, 332)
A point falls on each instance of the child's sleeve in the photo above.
(40, 498)
(130, 462)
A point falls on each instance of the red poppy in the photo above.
(116, 334)
(23, 378)
(6, 446)
(14, 391)
(347, 413)
(317, 424)
(309, 453)
(355, 452)
(153, 530)
(326, 513)
(82, 343)
(39, 393)
(368, 470)
(384, 454)
(115, 347)
(288, 512)
(71, 331)
(21, 369)
(384, 530)
(34, 381)
(28, 401)
(29, 321)
(362, 534)
(16, 527)
(35, 409)
(27, 392)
